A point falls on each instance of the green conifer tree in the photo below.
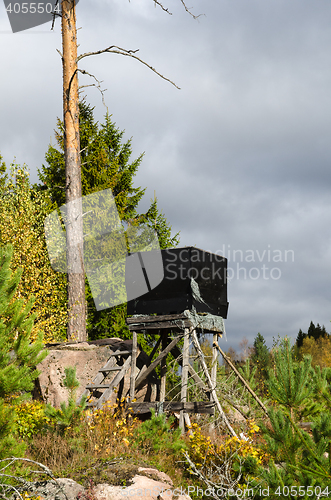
(68, 413)
(298, 459)
(317, 331)
(18, 356)
(261, 358)
(288, 382)
(300, 338)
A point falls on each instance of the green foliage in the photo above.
(70, 412)
(22, 214)
(3, 175)
(316, 331)
(299, 393)
(156, 220)
(106, 164)
(9, 446)
(288, 382)
(18, 356)
(248, 371)
(157, 435)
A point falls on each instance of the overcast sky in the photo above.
(239, 158)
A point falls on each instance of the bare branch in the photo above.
(217, 476)
(113, 49)
(188, 10)
(44, 468)
(7, 489)
(55, 14)
(97, 85)
(162, 7)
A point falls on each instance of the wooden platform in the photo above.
(173, 322)
(172, 406)
(176, 323)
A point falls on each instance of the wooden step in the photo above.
(114, 383)
(119, 353)
(97, 386)
(111, 369)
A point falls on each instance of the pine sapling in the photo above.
(70, 412)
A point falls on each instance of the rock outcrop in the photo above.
(88, 358)
(150, 484)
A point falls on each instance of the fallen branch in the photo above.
(227, 359)
(7, 489)
(217, 478)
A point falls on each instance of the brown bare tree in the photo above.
(76, 329)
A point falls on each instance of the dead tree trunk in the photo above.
(76, 329)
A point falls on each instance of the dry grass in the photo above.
(99, 435)
(101, 447)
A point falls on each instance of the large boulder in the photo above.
(149, 484)
(59, 489)
(88, 358)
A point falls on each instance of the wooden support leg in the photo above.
(213, 374)
(133, 366)
(163, 368)
(183, 393)
(209, 383)
(188, 423)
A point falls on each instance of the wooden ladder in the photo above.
(115, 363)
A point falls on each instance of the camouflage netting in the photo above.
(205, 321)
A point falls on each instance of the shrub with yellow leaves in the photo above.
(28, 496)
(22, 213)
(30, 418)
(109, 429)
(223, 463)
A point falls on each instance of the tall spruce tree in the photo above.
(106, 164)
(300, 338)
(18, 356)
(317, 331)
(261, 359)
(314, 332)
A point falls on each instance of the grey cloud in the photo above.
(239, 156)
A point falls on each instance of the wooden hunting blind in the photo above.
(193, 279)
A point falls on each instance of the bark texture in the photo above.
(74, 222)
